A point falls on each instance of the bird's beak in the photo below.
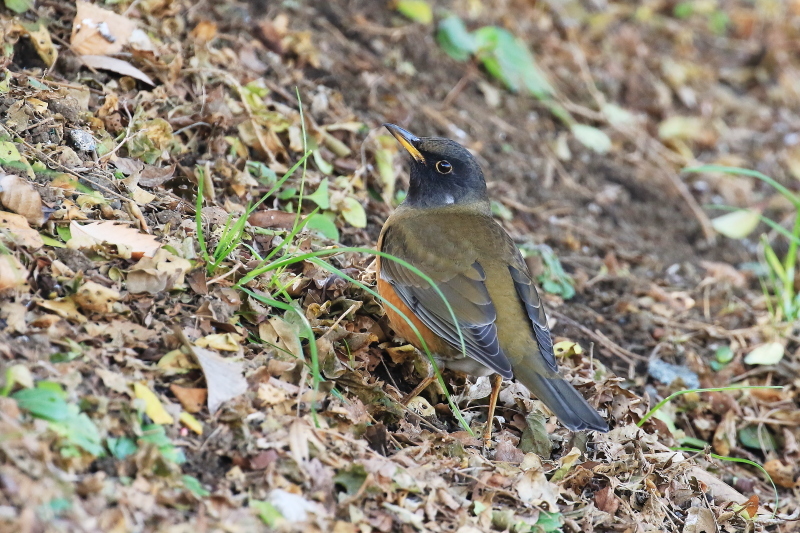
(409, 141)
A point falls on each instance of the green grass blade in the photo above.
(198, 217)
(674, 395)
(789, 195)
(316, 377)
(439, 378)
(738, 460)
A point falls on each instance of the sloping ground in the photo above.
(126, 325)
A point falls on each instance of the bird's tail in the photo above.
(561, 397)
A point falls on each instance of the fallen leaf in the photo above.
(272, 219)
(113, 64)
(20, 230)
(191, 422)
(767, 354)
(98, 31)
(533, 487)
(92, 296)
(224, 378)
(781, 473)
(592, 138)
(191, 399)
(152, 405)
(700, 520)
(64, 307)
(749, 508)
(40, 37)
(353, 212)
(737, 224)
(417, 10)
(12, 273)
(86, 235)
(606, 500)
(229, 342)
(19, 196)
(282, 334)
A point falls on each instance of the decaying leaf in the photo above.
(224, 379)
(19, 196)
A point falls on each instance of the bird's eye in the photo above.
(444, 167)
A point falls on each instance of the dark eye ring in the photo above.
(444, 167)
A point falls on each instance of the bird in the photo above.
(444, 228)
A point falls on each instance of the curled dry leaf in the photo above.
(98, 31)
(19, 196)
(224, 378)
(124, 237)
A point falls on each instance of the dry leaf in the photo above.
(20, 230)
(229, 342)
(92, 296)
(700, 520)
(40, 38)
(725, 434)
(65, 308)
(12, 273)
(282, 334)
(782, 474)
(224, 378)
(19, 196)
(606, 500)
(533, 487)
(98, 31)
(191, 422)
(113, 64)
(152, 405)
(124, 237)
(192, 400)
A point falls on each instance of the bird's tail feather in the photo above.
(567, 403)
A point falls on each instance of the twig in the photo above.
(225, 275)
(600, 338)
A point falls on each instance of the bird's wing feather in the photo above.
(533, 305)
(461, 279)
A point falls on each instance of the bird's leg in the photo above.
(497, 380)
(427, 380)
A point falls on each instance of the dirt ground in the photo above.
(180, 389)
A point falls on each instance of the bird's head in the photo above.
(442, 172)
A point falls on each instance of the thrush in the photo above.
(444, 228)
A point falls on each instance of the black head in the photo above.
(442, 171)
